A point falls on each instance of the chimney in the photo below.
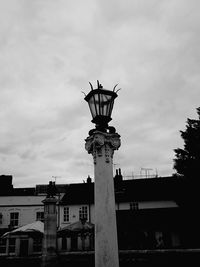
(118, 177)
(89, 180)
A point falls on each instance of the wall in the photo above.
(74, 209)
(73, 214)
(27, 206)
(148, 205)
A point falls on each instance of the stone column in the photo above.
(30, 246)
(102, 145)
(17, 246)
(68, 243)
(49, 252)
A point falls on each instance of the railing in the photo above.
(139, 176)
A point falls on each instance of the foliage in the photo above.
(187, 161)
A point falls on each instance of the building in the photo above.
(21, 206)
(147, 210)
(150, 214)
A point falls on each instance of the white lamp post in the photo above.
(101, 143)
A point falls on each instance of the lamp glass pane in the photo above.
(104, 104)
(96, 103)
(92, 106)
(110, 107)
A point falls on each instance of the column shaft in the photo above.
(102, 146)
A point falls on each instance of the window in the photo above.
(14, 218)
(134, 206)
(83, 213)
(11, 247)
(1, 218)
(37, 245)
(40, 216)
(66, 214)
(3, 245)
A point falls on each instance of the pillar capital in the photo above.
(101, 144)
(49, 205)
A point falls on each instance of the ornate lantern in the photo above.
(101, 103)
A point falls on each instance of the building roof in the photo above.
(24, 191)
(41, 189)
(7, 189)
(76, 227)
(37, 227)
(149, 189)
(79, 194)
(163, 188)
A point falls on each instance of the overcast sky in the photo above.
(50, 50)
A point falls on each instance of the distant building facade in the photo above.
(149, 215)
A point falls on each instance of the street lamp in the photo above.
(101, 143)
(101, 103)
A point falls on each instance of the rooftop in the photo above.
(157, 188)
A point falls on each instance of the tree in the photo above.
(187, 161)
(187, 165)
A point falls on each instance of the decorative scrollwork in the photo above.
(102, 144)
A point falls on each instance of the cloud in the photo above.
(50, 50)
